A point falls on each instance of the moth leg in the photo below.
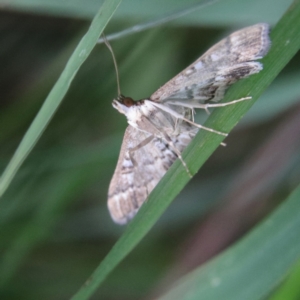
(225, 103)
(179, 116)
(207, 111)
(192, 104)
(141, 144)
(191, 114)
(137, 147)
(176, 124)
(201, 126)
(178, 153)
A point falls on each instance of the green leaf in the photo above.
(58, 92)
(285, 43)
(251, 268)
(290, 288)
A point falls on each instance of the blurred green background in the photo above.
(55, 226)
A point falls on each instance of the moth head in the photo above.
(122, 104)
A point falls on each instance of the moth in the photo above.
(161, 126)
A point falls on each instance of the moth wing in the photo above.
(226, 62)
(131, 181)
(139, 170)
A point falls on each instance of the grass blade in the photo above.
(253, 267)
(290, 288)
(58, 92)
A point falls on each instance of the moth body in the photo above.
(162, 126)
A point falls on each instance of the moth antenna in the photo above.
(115, 61)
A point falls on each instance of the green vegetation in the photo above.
(55, 228)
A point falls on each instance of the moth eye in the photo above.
(128, 102)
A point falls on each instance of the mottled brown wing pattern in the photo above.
(161, 127)
(139, 171)
(231, 59)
